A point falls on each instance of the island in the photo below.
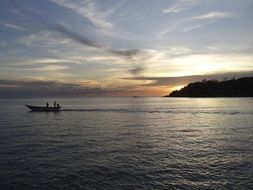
(242, 87)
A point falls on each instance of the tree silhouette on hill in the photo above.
(242, 87)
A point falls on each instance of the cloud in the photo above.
(136, 70)
(179, 50)
(211, 15)
(125, 53)
(11, 26)
(36, 88)
(14, 88)
(3, 44)
(194, 22)
(193, 27)
(130, 54)
(183, 80)
(173, 9)
(181, 5)
(74, 36)
(41, 65)
(49, 40)
(90, 10)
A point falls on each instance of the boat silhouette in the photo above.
(44, 108)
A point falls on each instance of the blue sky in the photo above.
(121, 47)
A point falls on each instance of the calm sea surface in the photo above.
(128, 143)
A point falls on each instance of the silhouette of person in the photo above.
(54, 103)
(58, 105)
(47, 104)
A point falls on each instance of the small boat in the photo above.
(44, 109)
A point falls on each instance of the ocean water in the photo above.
(128, 143)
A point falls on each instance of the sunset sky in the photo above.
(121, 47)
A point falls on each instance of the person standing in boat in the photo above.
(54, 103)
(47, 104)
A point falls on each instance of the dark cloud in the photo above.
(129, 54)
(74, 36)
(136, 70)
(39, 89)
(19, 89)
(183, 80)
(125, 53)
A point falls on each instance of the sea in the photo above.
(127, 143)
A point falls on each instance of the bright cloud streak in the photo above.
(90, 10)
(211, 15)
(181, 5)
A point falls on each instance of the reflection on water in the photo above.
(127, 143)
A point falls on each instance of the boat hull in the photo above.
(43, 109)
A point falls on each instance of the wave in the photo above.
(172, 111)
